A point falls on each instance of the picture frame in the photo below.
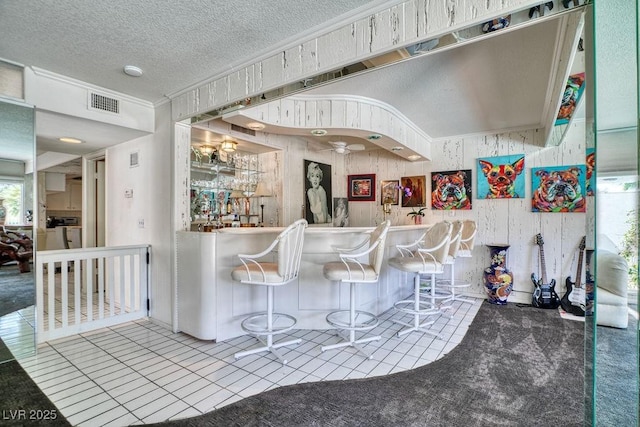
(558, 189)
(361, 188)
(414, 191)
(501, 177)
(340, 212)
(570, 98)
(451, 190)
(317, 192)
(390, 189)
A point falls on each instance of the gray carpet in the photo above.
(617, 375)
(517, 366)
(22, 403)
(17, 290)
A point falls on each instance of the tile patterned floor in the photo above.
(139, 372)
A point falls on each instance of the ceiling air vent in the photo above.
(104, 103)
(243, 130)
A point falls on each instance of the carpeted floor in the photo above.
(516, 366)
(21, 401)
(617, 375)
(17, 290)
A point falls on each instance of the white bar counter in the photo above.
(210, 305)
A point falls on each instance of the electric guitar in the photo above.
(573, 300)
(544, 295)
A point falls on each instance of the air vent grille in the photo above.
(243, 130)
(104, 103)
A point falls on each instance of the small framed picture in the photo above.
(390, 192)
(362, 188)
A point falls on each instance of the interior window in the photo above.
(619, 194)
(12, 194)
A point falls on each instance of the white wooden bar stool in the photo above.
(424, 256)
(444, 289)
(465, 250)
(351, 269)
(288, 249)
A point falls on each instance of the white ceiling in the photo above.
(178, 47)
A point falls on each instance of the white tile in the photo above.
(213, 401)
(195, 388)
(187, 413)
(95, 409)
(144, 398)
(160, 404)
(167, 412)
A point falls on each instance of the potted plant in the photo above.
(417, 215)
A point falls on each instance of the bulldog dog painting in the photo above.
(558, 189)
(501, 177)
(451, 190)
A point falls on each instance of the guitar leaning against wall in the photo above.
(573, 300)
(544, 295)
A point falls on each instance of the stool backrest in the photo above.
(456, 235)
(290, 243)
(469, 229)
(379, 235)
(435, 236)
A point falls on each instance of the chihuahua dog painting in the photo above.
(451, 190)
(501, 177)
(558, 189)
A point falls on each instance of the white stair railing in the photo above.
(79, 290)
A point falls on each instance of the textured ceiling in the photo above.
(177, 44)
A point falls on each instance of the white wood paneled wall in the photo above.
(399, 24)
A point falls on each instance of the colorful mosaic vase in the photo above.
(497, 279)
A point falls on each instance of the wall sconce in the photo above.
(262, 191)
(228, 146)
(207, 149)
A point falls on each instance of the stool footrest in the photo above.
(257, 324)
(447, 283)
(425, 308)
(341, 319)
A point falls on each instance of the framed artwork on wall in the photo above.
(362, 188)
(340, 212)
(451, 190)
(414, 191)
(570, 98)
(501, 177)
(317, 192)
(558, 189)
(389, 192)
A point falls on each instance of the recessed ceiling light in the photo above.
(255, 126)
(70, 140)
(397, 148)
(318, 132)
(414, 157)
(132, 70)
(374, 137)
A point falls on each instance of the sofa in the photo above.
(612, 276)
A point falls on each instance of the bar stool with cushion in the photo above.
(467, 240)
(288, 249)
(353, 270)
(445, 288)
(424, 256)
